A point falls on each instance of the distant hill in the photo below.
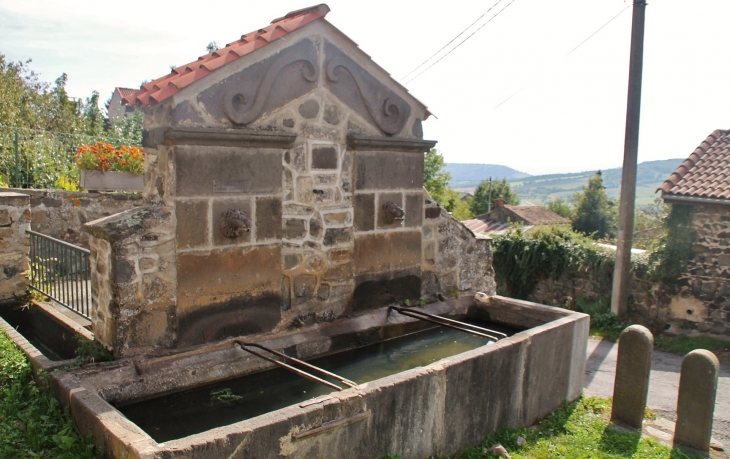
(539, 189)
(469, 175)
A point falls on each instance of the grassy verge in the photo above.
(32, 422)
(575, 431)
(607, 326)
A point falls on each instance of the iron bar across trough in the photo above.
(301, 373)
(455, 324)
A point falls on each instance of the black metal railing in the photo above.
(60, 271)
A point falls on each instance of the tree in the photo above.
(594, 211)
(500, 189)
(436, 181)
(212, 46)
(562, 208)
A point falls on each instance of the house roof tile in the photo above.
(156, 91)
(706, 173)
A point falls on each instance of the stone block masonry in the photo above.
(62, 214)
(14, 245)
(282, 208)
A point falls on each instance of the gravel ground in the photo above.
(663, 384)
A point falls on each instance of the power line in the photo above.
(461, 43)
(452, 40)
(568, 54)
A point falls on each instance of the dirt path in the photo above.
(663, 385)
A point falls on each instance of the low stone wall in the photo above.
(14, 245)
(646, 298)
(61, 214)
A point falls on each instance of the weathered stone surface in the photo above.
(337, 236)
(380, 171)
(337, 218)
(696, 401)
(631, 387)
(220, 206)
(192, 226)
(340, 254)
(248, 169)
(414, 210)
(382, 252)
(297, 158)
(285, 293)
(14, 245)
(374, 292)
(304, 285)
(323, 292)
(239, 315)
(332, 114)
(234, 271)
(309, 109)
(292, 260)
(324, 157)
(268, 218)
(383, 198)
(304, 189)
(315, 227)
(433, 212)
(294, 228)
(364, 206)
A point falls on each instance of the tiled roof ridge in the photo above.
(687, 165)
(156, 91)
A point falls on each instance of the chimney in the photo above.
(499, 202)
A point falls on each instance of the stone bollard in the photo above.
(696, 402)
(631, 386)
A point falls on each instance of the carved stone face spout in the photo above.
(393, 213)
(234, 223)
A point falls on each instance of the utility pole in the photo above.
(489, 200)
(622, 269)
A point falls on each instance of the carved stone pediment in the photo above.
(364, 93)
(264, 86)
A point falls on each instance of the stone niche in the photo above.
(282, 190)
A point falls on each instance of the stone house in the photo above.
(498, 220)
(117, 108)
(283, 189)
(702, 182)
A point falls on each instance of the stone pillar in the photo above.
(631, 385)
(696, 401)
(14, 245)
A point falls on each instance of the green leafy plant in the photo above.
(453, 293)
(91, 351)
(669, 260)
(32, 421)
(522, 260)
(407, 303)
(225, 396)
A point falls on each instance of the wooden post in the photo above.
(622, 268)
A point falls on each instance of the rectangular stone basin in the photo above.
(429, 410)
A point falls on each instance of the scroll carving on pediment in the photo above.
(264, 86)
(387, 110)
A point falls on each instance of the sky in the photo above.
(525, 90)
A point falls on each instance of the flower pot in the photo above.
(111, 180)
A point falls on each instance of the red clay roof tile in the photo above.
(160, 89)
(706, 173)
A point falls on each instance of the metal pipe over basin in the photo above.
(450, 323)
(302, 373)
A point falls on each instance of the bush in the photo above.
(522, 260)
(32, 421)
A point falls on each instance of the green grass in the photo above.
(32, 422)
(684, 344)
(579, 430)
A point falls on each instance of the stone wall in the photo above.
(700, 299)
(133, 280)
(646, 298)
(62, 214)
(14, 245)
(703, 300)
(454, 259)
